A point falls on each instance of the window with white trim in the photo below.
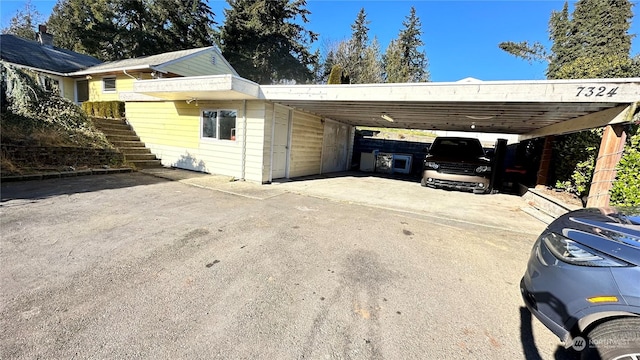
(109, 84)
(218, 124)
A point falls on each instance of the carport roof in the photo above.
(529, 108)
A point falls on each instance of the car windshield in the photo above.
(456, 147)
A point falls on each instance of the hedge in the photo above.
(104, 109)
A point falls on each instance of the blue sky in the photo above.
(461, 37)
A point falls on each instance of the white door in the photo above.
(335, 147)
(280, 154)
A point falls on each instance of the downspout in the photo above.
(244, 139)
(129, 75)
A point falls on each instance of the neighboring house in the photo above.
(54, 65)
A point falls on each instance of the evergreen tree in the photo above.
(264, 43)
(186, 24)
(358, 58)
(593, 41)
(395, 70)
(121, 29)
(563, 48)
(404, 59)
(357, 47)
(84, 26)
(24, 22)
(371, 65)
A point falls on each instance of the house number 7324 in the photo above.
(589, 91)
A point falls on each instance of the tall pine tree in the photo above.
(121, 29)
(592, 42)
(263, 42)
(357, 56)
(404, 60)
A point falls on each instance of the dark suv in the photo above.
(583, 282)
(457, 163)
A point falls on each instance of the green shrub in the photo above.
(574, 157)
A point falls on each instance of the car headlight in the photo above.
(431, 164)
(483, 169)
(575, 253)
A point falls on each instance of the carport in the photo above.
(530, 109)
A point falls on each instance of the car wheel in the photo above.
(617, 339)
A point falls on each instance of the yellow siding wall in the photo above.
(306, 144)
(69, 88)
(172, 131)
(123, 83)
(201, 64)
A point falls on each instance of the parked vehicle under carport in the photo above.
(457, 163)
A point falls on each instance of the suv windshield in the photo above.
(456, 147)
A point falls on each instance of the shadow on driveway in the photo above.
(529, 347)
(42, 189)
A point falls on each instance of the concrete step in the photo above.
(118, 132)
(131, 157)
(121, 144)
(113, 138)
(108, 122)
(543, 207)
(145, 164)
(114, 126)
(134, 150)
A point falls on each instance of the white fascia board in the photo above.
(589, 90)
(208, 87)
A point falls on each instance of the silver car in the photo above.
(458, 163)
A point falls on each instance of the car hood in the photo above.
(476, 160)
(613, 231)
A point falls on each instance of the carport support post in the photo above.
(545, 162)
(611, 148)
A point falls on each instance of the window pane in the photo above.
(227, 125)
(109, 84)
(209, 124)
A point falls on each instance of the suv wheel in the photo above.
(617, 339)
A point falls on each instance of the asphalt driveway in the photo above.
(135, 266)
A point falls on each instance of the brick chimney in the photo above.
(44, 38)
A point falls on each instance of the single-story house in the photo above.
(82, 77)
(53, 65)
(195, 112)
